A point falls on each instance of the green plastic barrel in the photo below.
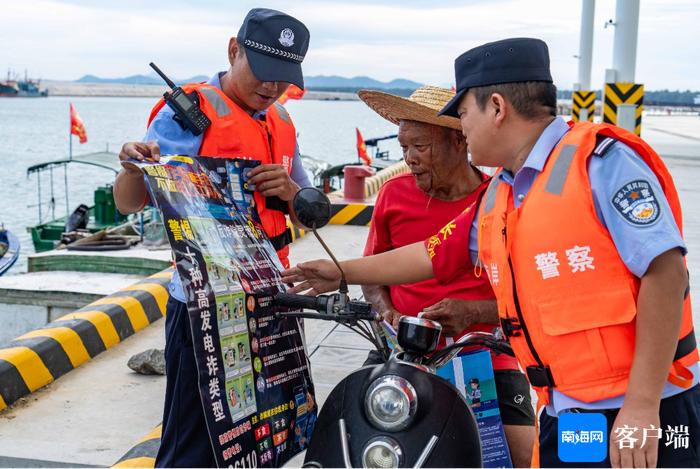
(100, 205)
(105, 209)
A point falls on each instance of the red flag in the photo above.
(293, 92)
(76, 125)
(362, 149)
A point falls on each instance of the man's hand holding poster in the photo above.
(254, 377)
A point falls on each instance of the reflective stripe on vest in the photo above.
(572, 318)
(235, 134)
(219, 105)
(490, 197)
(555, 183)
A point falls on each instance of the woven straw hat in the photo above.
(422, 106)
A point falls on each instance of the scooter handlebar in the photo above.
(329, 306)
(483, 339)
(289, 300)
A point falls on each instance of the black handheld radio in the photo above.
(186, 107)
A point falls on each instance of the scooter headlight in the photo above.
(382, 452)
(391, 403)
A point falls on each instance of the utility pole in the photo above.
(625, 43)
(583, 99)
(585, 54)
(624, 99)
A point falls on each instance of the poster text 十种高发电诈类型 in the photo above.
(254, 377)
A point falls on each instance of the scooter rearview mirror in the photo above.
(312, 208)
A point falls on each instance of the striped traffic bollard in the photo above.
(582, 106)
(623, 104)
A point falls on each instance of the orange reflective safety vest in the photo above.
(566, 300)
(235, 134)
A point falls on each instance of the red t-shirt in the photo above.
(404, 214)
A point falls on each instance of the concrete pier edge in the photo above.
(39, 357)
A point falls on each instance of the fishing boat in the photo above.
(27, 88)
(92, 217)
(82, 238)
(9, 249)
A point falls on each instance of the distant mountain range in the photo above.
(332, 82)
(138, 80)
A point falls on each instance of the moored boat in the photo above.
(27, 88)
(92, 218)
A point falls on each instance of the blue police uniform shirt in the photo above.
(637, 243)
(174, 140)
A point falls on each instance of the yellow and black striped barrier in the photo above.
(374, 183)
(295, 231)
(617, 94)
(351, 214)
(143, 453)
(583, 101)
(41, 356)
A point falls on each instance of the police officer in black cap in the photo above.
(580, 233)
(265, 58)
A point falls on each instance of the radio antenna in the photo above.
(167, 80)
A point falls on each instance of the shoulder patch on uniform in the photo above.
(602, 145)
(636, 203)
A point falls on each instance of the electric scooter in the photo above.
(399, 413)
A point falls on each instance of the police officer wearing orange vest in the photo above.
(264, 58)
(580, 233)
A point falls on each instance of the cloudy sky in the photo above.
(384, 39)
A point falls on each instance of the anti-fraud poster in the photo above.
(254, 376)
(472, 374)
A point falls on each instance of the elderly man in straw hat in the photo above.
(410, 208)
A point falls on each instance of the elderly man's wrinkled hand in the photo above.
(273, 180)
(313, 277)
(453, 314)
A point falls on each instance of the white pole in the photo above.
(70, 135)
(585, 54)
(625, 42)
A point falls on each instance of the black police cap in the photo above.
(275, 45)
(508, 61)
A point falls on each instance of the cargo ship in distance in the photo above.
(27, 88)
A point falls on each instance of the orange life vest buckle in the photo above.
(540, 376)
(511, 327)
